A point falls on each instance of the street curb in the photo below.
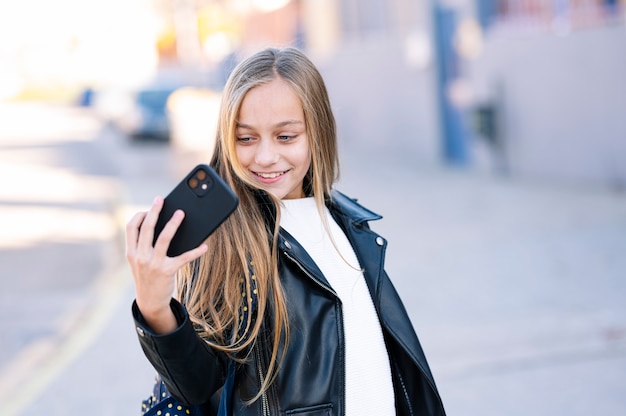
(41, 362)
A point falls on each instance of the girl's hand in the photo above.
(153, 271)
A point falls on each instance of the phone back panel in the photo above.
(206, 200)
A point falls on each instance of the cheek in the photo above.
(243, 155)
(302, 157)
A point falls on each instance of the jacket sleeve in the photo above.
(191, 370)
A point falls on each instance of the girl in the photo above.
(290, 292)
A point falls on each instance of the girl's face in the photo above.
(272, 143)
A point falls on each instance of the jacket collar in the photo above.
(350, 208)
(338, 203)
(350, 216)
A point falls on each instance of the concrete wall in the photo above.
(380, 76)
(380, 101)
(563, 102)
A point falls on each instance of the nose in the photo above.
(266, 154)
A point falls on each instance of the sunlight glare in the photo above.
(72, 42)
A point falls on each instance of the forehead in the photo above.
(273, 102)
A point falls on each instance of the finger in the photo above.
(191, 255)
(146, 233)
(165, 238)
(132, 231)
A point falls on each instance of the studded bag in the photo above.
(162, 403)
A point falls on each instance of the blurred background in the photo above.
(490, 134)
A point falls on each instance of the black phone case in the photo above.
(206, 200)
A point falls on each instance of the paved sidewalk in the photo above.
(516, 290)
(61, 254)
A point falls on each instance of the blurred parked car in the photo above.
(146, 115)
(139, 112)
(153, 110)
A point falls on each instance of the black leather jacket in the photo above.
(310, 381)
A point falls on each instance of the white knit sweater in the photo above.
(369, 388)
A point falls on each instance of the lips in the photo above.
(269, 175)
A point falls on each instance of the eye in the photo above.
(284, 138)
(244, 139)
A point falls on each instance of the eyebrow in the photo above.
(277, 125)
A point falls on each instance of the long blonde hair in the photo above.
(218, 287)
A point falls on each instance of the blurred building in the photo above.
(378, 59)
(375, 55)
(530, 88)
(553, 71)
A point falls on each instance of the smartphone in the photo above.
(206, 200)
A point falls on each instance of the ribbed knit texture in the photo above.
(369, 388)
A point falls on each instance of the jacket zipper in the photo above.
(309, 275)
(403, 386)
(264, 401)
(328, 289)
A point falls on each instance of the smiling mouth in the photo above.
(271, 175)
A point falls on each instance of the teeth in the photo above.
(270, 175)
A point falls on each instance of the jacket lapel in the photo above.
(368, 246)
